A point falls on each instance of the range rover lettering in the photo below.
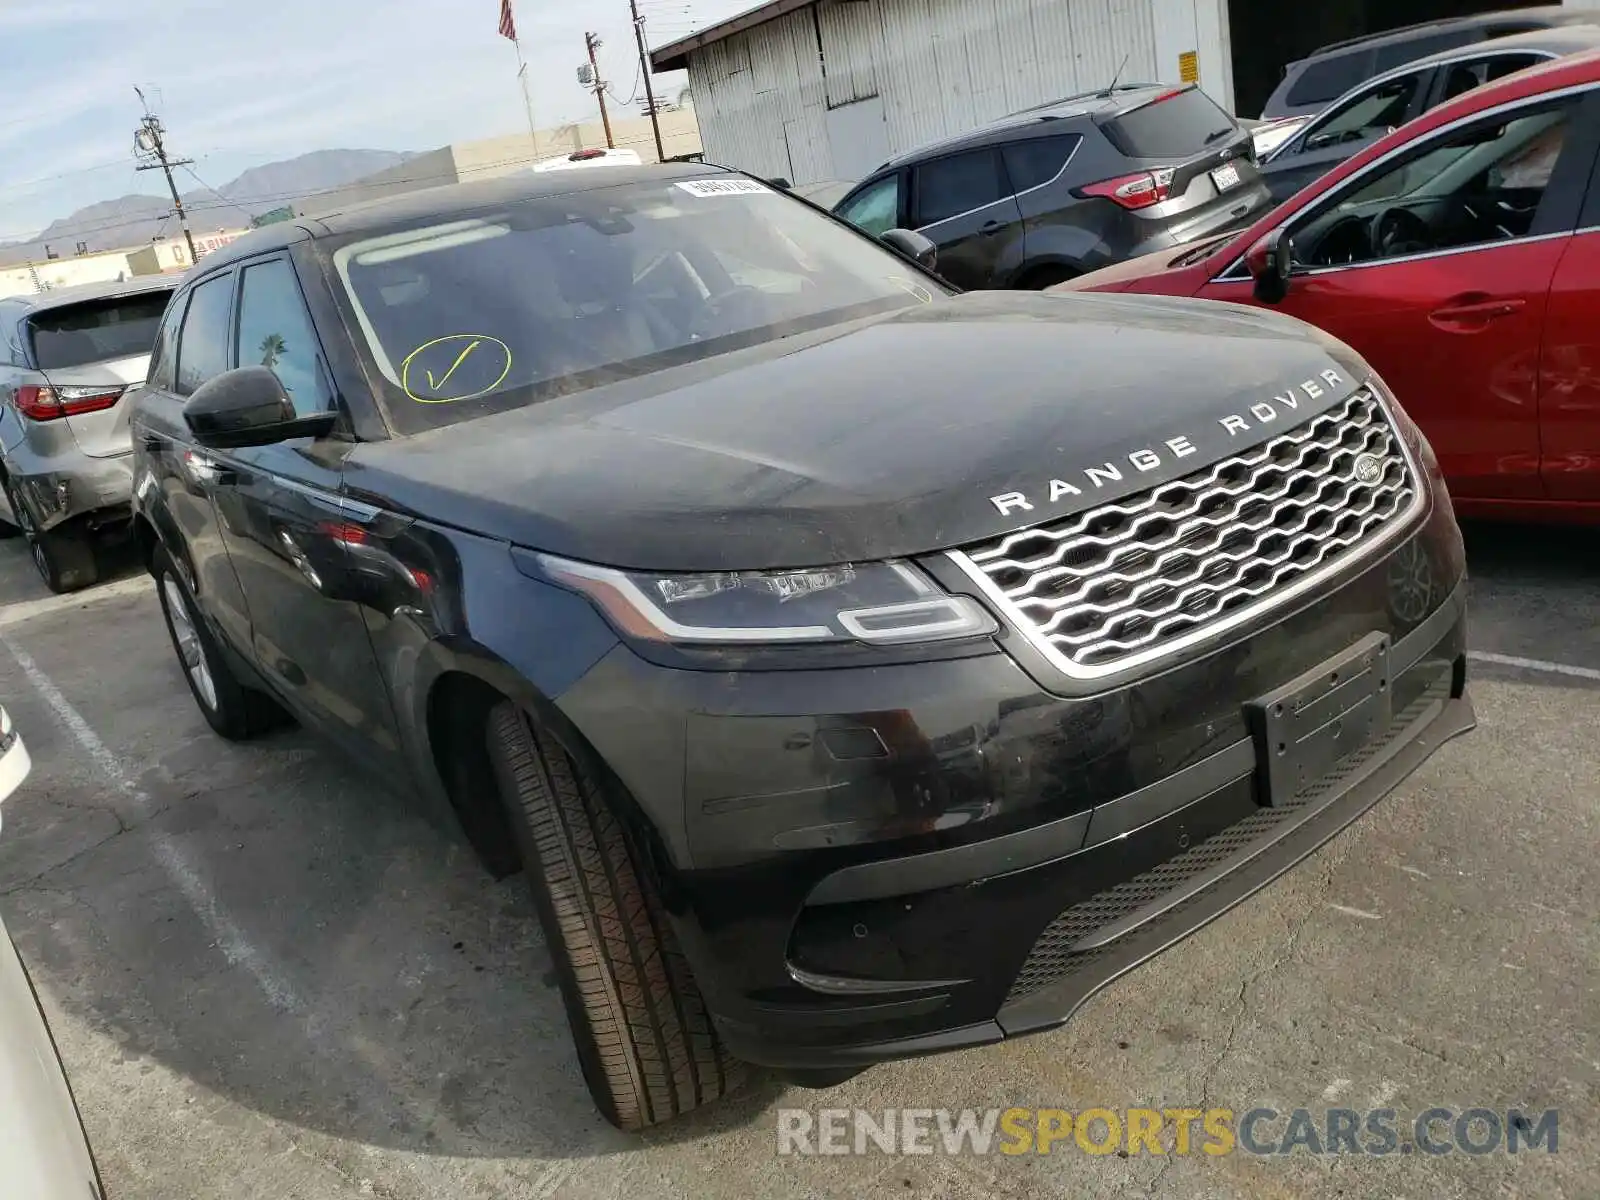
(854, 668)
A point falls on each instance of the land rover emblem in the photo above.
(1369, 468)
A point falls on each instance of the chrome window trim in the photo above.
(1236, 271)
(1402, 525)
(354, 509)
(999, 150)
(1394, 73)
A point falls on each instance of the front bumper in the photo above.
(870, 864)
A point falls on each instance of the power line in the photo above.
(26, 183)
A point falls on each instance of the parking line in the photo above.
(1534, 664)
(236, 948)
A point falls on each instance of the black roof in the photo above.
(446, 201)
(1039, 121)
(1545, 16)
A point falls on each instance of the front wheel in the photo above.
(233, 710)
(644, 1039)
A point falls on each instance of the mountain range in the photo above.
(133, 220)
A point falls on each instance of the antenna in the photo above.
(1117, 78)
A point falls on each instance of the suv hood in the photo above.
(881, 439)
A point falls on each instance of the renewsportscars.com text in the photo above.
(1212, 1132)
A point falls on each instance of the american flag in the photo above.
(508, 23)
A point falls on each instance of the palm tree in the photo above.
(272, 348)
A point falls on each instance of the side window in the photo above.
(1034, 163)
(203, 343)
(275, 331)
(164, 353)
(1476, 187)
(1329, 78)
(1463, 77)
(948, 187)
(1371, 114)
(875, 210)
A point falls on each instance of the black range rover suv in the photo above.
(855, 669)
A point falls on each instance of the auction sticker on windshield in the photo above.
(722, 187)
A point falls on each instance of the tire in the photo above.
(64, 560)
(233, 710)
(644, 1038)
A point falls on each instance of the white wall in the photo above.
(1200, 26)
(941, 66)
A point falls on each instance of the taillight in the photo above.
(52, 403)
(1143, 190)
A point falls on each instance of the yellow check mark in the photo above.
(471, 346)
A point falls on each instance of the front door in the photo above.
(963, 205)
(1569, 377)
(288, 531)
(1436, 267)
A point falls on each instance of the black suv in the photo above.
(857, 668)
(1057, 191)
(1324, 75)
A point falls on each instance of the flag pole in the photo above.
(527, 98)
(508, 30)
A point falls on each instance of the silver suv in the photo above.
(66, 358)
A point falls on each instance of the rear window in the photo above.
(1179, 125)
(96, 331)
(1326, 79)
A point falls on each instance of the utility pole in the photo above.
(592, 41)
(150, 149)
(644, 69)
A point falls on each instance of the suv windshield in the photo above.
(96, 331)
(1178, 125)
(555, 294)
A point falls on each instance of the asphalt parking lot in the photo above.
(269, 978)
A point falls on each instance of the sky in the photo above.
(240, 84)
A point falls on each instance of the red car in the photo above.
(1460, 256)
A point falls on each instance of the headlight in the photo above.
(882, 603)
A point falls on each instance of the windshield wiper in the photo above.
(1221, 133)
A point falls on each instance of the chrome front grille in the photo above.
(1127, 582)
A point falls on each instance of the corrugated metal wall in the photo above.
(941, 66)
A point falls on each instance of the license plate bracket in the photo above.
(1303, 728)
(1226, 177)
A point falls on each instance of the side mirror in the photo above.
(1270, 263)
(913, 245)
(248, 407)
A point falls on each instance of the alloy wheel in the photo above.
(190, 650)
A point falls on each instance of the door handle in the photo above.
(990, 228)
(1473, 312)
